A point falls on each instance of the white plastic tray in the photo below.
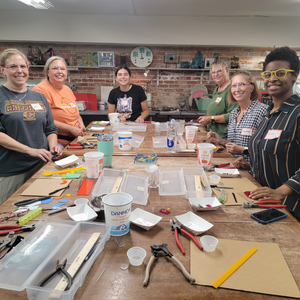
(171, 182)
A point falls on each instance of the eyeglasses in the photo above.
(57, 68)
(15, 67)
(280, 73)
(239, 85)
(216, 72)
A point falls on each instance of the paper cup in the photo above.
(205, 153)
(113, 118)
(191, 134)
(117, 209)
(125, 138)
(94, 164)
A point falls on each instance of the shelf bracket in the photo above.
(157, 78)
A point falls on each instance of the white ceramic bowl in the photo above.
(193, 223)
(81, 212)
(144, 219)
(68, 161)
(204, 204)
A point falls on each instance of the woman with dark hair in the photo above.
(274, 148)
(129, 99)
(243, 120)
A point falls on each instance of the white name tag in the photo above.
(218, 100)
(72, 104)
(247, 131)
(124, 102)
(36, 106)
(273, 134)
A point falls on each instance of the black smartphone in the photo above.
(97, 134)
(269, 215)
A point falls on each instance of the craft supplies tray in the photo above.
(107, 181)
(192, 178)
(136, 185)
(37, 255)
(130, 127)
(171, 182)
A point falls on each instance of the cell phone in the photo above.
(97, 134)
(269, 215)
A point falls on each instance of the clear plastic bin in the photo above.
(171, 182)
(106, 181)
(190, 180)
(136, 185)
(130, 127)
(159, 141)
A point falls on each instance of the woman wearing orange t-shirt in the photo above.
(61, 100)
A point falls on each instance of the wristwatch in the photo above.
(246, 151)
(213, 121)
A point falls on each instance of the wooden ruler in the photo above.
(117, 184)
(198, 187)
(75, 266)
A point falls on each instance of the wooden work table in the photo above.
(166, 280)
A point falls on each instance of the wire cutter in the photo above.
(176, 228)
(263, 204)
(156, 249)
(15, 228)
(7, 240)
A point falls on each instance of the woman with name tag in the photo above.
(274, 148)
(220, 107)
(28, 135)
(243, 120)
(62, 100)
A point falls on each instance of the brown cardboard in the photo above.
(264, 272)
(240, 185)
(42, 187)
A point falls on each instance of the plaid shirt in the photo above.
(250, 121)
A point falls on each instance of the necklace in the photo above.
(13, 93)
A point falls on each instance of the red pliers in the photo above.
(176, 228)
(15, 228)
(263, 204)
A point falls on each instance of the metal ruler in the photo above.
(75, 266)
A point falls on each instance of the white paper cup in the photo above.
(94, 164)
(125, 138)
(191, 134)
(113, 118)
(209, 243)
(205, 154)
(136, 255)
(117, 209)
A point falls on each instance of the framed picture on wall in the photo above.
(208, 62)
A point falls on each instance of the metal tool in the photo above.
(176, 228)
(263, 204)
(15, 228)
(30, 201)
(221, 186)
(156, 249)
(7, 240)
(81, 146)
(59, 268)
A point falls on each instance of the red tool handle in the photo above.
(75, 144)
(14, 228)
(271, 206)
(178, 243)
(75, 147)
(223, 165)
(268, 202)
(192, 238)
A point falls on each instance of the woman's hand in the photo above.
(76, 131)
(241, 163)
(139, 120)
(213, 137)
(204, 120)
(56, 150)
(234, 148)
(266, 193)
(43, 154)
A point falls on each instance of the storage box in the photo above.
(189, 174)
(36, 256)
(89, 99)
(171, 182)
(106, 59)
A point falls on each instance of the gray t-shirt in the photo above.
(28, 121)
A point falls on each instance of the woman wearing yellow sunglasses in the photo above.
(274, 148)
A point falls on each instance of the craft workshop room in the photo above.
(149, 149)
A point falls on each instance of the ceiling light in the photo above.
(146, 72)
(38, 4)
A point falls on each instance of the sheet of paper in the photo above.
(266, 271)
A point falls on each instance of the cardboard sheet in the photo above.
(42, 187)
(240, 185)
(264, 272)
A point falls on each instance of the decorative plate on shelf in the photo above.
(141, 57)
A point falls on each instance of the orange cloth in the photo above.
(63, 104)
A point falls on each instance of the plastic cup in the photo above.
(214, 179)
(136, 256)
(113, 118)
(179, 125)
(81, 201)
(205, 154)
(157, 128)
(191, 134)
(102, 106)
(125, 138)
(209, 243)
(94, 164)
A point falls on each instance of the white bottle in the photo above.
(171, 137)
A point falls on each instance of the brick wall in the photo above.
(174, 85)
